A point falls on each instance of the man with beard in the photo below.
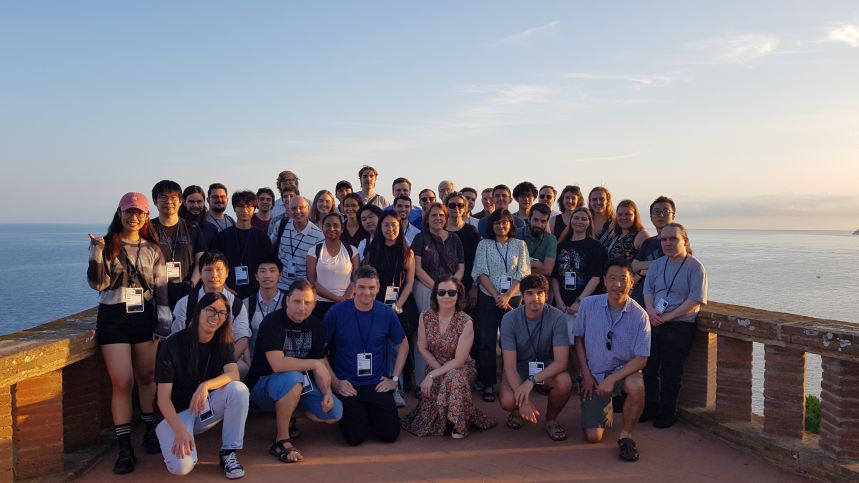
(265, 202)
(542, 245)
(193, 209)
(402, 207)
(218, 206)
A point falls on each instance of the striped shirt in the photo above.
(293, 251)
(630, 338)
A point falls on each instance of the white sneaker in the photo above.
(399, 398)
(230, 465)
(457, 436)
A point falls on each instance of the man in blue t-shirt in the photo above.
(362, 330)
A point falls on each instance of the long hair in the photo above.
(609, 209)
(681, 230)
(314, 212)
(184, 213)
(113, 238)
(223, 338)
(637, 226)
(568, 230)
(376, 249)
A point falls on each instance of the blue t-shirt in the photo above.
(354, 332)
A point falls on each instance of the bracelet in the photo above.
(429, 374)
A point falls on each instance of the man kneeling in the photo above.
(289, 372)
(535, 348)
(612, 334)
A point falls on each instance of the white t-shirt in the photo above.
(333, 272)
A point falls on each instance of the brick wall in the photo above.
(37, 416)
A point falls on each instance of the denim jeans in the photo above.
(229, 404)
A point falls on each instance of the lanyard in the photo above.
(504, 257)
(239, 245)
(134, 270)
(530, 336)
(664, 281)
(175, 239)
(226, 222)
(364, 339)
(261, 304)
(293, 248)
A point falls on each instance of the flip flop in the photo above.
(514, 421)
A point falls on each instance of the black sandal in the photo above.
(628, 451)
(489, 394)
(283, 453)
(294, 432)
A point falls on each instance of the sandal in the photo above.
(628, 451)
(514, 420)
(489, 394)
(294, 432)
(285, 454)
(556, 431)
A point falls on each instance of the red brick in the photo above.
(38, 422)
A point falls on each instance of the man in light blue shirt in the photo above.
(612, 343)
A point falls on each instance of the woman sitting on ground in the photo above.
(198, 387)
(445, 335)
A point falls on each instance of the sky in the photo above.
(745, 113)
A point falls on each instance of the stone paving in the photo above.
(676, 454)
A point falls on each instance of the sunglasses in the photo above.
(608, 338)
(426, 199)
(449, 293)
(454, 206)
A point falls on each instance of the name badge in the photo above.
(534, 368)
(506, 283)
(133, 300)
(569, 280)
(661, 305)
(207, 413)
(289, 268)
(174, 272)
(242, 275)
(365, 364)
(392, 293)
(307, 385)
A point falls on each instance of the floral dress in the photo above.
(623, 246)
(448, 407)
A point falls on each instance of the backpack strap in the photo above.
(252, 306)
(281, 227)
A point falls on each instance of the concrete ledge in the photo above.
(831, 338)
(802, 457)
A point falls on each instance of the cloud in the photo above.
(736, 49)
(638, 81)
(846, 34)
(790, 205)
(520, 37)
(508, 105)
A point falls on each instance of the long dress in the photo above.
(448, 407)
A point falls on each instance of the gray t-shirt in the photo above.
(689, 283)
(526, 336)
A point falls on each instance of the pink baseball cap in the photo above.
(134, 200)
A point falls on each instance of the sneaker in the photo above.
(150, 442)
(125, 461)
(230, 464)
(399, 398)
(457, 435)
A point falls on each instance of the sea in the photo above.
(813, 273)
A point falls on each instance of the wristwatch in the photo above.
(396, 379)
(532, 379)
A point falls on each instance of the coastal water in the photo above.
(43, 275)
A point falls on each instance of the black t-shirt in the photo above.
(650, 250)
(172, 367)
(470, 238)
(587, 258)
(179, 243)
(278, 332)
(243, 247)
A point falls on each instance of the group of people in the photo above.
(334, 309)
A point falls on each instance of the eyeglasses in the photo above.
(455, 206)
(219, 314)
(608, 338)
(661, 212)
(427, 199)
(448, 293)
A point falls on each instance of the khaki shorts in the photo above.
(597, 412)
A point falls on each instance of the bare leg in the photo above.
(143, 357)
(561, 389)
(117, 358)
(284, 408)
(634, 406)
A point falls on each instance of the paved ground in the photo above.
(676, 454)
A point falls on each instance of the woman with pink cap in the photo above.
(127, 269)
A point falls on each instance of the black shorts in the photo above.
(115, 326)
